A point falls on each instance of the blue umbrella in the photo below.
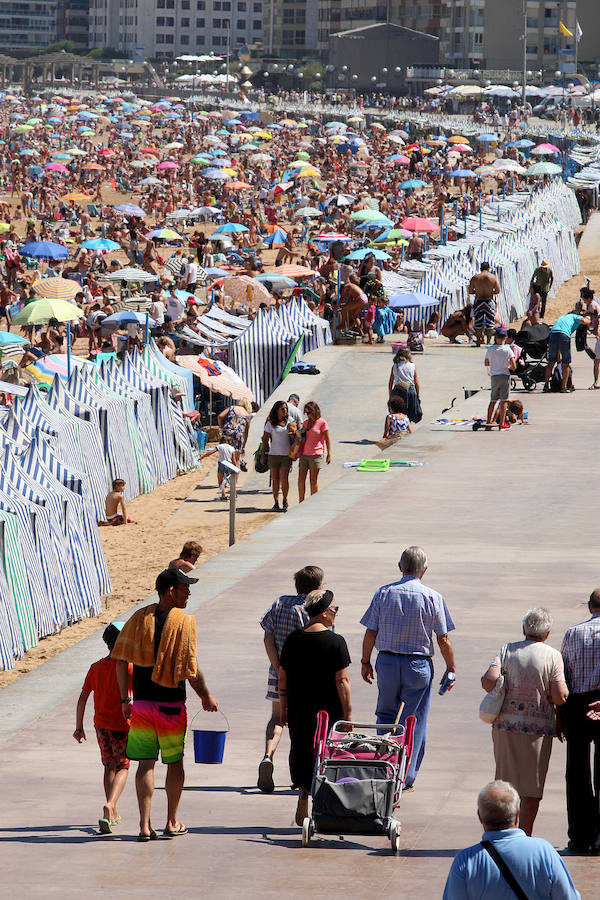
(230, 228)
(35, 170)
(380, 223)
(488, 138)
(413, 183)
(412, 298)
(462, 173)
(129, 209)
(273, 281)
(101, 244)
(216, 174)
(127, 317)
(44, 250)
(366, 251)
(215, 272)
(523, 144)
(7, 337)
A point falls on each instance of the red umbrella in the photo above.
(414, 223)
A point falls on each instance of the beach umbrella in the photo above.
(282, 187)
(393, 234)
(413, 183)
(44, 250)
(276, 238)
(545, 149)
(274, 282)
(56, 288)
(101, 244)
(307, 212)
(523, 144)
(414, 223)
(129, 209)
(38, 312)
(167, 164)
(130, 274)
(230, 228)
(458, 139)
(76, 197)
(55, 167)
(365, 251)
(375, 225)
(462, 173)
(4, 227)
(330, 236)
(165, 234)
(126, 317)
(340, 199)
(368, 215)
(238, 186)
(214, 174)
(488, 138)
(7, 338)
(412, 298)
(543, 168)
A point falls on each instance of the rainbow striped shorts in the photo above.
(157, 726)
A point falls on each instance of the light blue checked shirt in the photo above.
(581, 655)
(405, 616)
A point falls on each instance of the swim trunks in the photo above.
(156, 725)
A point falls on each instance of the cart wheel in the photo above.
(529, 384)
(513, 384)
(308, 829)
(395, 832)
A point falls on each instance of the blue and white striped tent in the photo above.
(296, 317)
(261, 352)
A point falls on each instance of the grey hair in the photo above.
(498, 805)
(537, 622)
(313, 599)
(413, 561)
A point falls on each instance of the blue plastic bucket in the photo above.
(209, 746)
(202, 438)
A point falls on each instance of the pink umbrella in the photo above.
(545, 148)
(56, 167)
(459, 148)
(167, 165)
(414, 223)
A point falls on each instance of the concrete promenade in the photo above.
(508, 521)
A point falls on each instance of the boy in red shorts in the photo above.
(111, 727)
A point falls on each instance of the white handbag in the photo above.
(490, 706)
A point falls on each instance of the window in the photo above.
(300, 16)
(216, 23)
(200, 40)
(170, 4)
(201, 4)
(550, 45)
(226, 5)
(200, 23)
(185, 23)
(241, 7)
(217, 4)
(287, 36)
(288, 16)
(257, 7)
(160, 20)
(160, 4)
(532, 49)
(185, 39)
(185, 4)
(256, 26)
(532, 22)
(169, 39)
(217, 41)
(160, 38)
(300, 37)
(241, 24)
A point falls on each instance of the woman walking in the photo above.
(522, 733)
(313, 675)
(276, 444)
(314, 435)
(404, 382)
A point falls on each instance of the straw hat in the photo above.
(545, 264)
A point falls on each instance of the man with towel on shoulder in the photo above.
(160, 641)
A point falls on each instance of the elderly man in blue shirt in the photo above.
(506, 856)
(400, 623)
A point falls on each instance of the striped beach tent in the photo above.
(169, 372)
(11, 640)
(260, 354)
(13, 549)
(96, 485)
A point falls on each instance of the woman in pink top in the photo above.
(315, 434)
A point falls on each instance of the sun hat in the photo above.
(544, 264)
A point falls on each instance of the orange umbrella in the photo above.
(76, 197)
(238, 186)
(150, 150)
(93, 166)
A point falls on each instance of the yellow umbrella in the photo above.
(76, 197)
(56, 288)
(4, 227)
(457, 139)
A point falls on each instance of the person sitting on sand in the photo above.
(396, 422)
(188, 557)
(116, 512)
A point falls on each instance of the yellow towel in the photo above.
(176, 656)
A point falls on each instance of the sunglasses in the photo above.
(333, 609)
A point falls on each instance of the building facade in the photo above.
(27, 24)
(166, 29)
(73, 22)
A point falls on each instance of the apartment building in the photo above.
(73, 22)
(165, 29)
(27, 24)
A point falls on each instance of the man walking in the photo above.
(286, 614)
(560, 343)
(581, 655)
(400, 623)
(160, 641)
(544, 277)
(504, 852)
(485, 287)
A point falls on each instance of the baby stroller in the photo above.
(531, 366)
(358, 779)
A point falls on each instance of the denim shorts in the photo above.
(559, 343)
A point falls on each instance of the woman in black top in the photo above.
(313, 676)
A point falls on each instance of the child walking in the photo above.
(111, 727)
(227, 453)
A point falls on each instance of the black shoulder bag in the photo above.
(508, 875)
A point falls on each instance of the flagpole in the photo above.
(576, 38)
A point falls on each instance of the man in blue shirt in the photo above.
(400, 623)
(560, 343)
(534, 863)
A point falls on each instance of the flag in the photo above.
(564, 30)
(578, 32)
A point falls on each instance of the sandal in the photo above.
(179, 832)
(144, 838)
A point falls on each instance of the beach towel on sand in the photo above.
(176, 657)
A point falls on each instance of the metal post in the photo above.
(442, 220)
(147, 329)
(524, 52)
(228, 21)
(232, 503)
(68, 349)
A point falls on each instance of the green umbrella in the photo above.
(368, 215)
(38, 312)
(396, 234)
(544, 168)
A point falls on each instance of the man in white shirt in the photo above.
(501, 361)
(294, 414)
(191, 274)
(175, 307)
(157, 309)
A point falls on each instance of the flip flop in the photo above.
(116, 821)
(105, 826)
(144, 838)
(173, 834)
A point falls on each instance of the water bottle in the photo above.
(448, 680)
